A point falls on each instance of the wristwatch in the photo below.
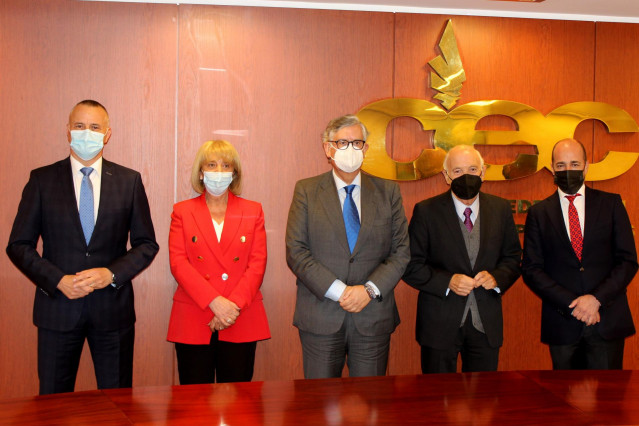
(371, 292)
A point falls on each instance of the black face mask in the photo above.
(466, 187)
(569, 181)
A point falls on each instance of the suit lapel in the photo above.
(556, 218)
(369, 198)
(69, 200)
(486, 227)
(108, 189)
(204, 222)
(451, 221)
(327, 193)
(232, 222)
(592, 209)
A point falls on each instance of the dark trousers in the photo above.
(219, 361)
(324, 355)
(59, 356)
(590, 352)
(476, 353)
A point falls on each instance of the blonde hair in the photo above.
(217, 149)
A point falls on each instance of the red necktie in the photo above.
(575, 228)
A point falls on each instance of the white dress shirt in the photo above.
(96, 182)
(580, 205)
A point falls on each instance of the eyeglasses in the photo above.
(343, 144)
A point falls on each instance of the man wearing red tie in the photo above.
(579, 257)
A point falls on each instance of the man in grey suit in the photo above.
(465, 254)
(347, 243)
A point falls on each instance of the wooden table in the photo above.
(509, 398)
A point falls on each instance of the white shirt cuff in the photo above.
(335, 291)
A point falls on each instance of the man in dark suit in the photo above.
(465, 254)
(85, 209)
(581, 276)
(347, 243)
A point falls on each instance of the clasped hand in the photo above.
(225, 313)
(462, 284)
(85, 282)
(586, 309)
(354, 298)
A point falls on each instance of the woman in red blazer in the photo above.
(217, 250)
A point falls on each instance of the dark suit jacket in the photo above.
(48, 210)
(438, 252)
(317, 252)
(553, 271)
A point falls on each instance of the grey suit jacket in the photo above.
(317, 252)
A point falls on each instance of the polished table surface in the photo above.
(508, 398)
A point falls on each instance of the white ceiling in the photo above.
(580, 10)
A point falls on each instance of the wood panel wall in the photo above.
(268, 80)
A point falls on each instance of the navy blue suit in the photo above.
(552, 270)
(48, 210)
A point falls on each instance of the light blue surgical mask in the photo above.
(217, 183)
(86, 143)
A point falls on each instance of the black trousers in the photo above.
(219, 361)
(590, 352)
(476, 353)
(59, 356)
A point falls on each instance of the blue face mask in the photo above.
(216, 183)
(86, 143)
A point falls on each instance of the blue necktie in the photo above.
(86, 204)
(351, 217)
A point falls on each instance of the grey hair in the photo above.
(339, 123)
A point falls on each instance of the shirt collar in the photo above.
(562, 194)
(460, 207)
(76, 166)
(339, 183)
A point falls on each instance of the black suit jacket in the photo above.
(48, 210)
(438, 252)
(553, 271)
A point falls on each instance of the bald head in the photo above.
(463, 159)
(569, 154)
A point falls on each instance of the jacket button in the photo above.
(581, 269)
(225, 276)
(235, 259)
(351, 260)
(207, 276)
(200, 258)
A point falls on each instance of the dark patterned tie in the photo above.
(351, 217)
(576, 239)
(86, 204)
(467, 221)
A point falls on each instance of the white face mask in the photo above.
(217, 183)
(348, 160)
(86, 143)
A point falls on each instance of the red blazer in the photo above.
(205, 269)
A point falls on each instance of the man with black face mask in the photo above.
(579, 257)
(465, 254)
